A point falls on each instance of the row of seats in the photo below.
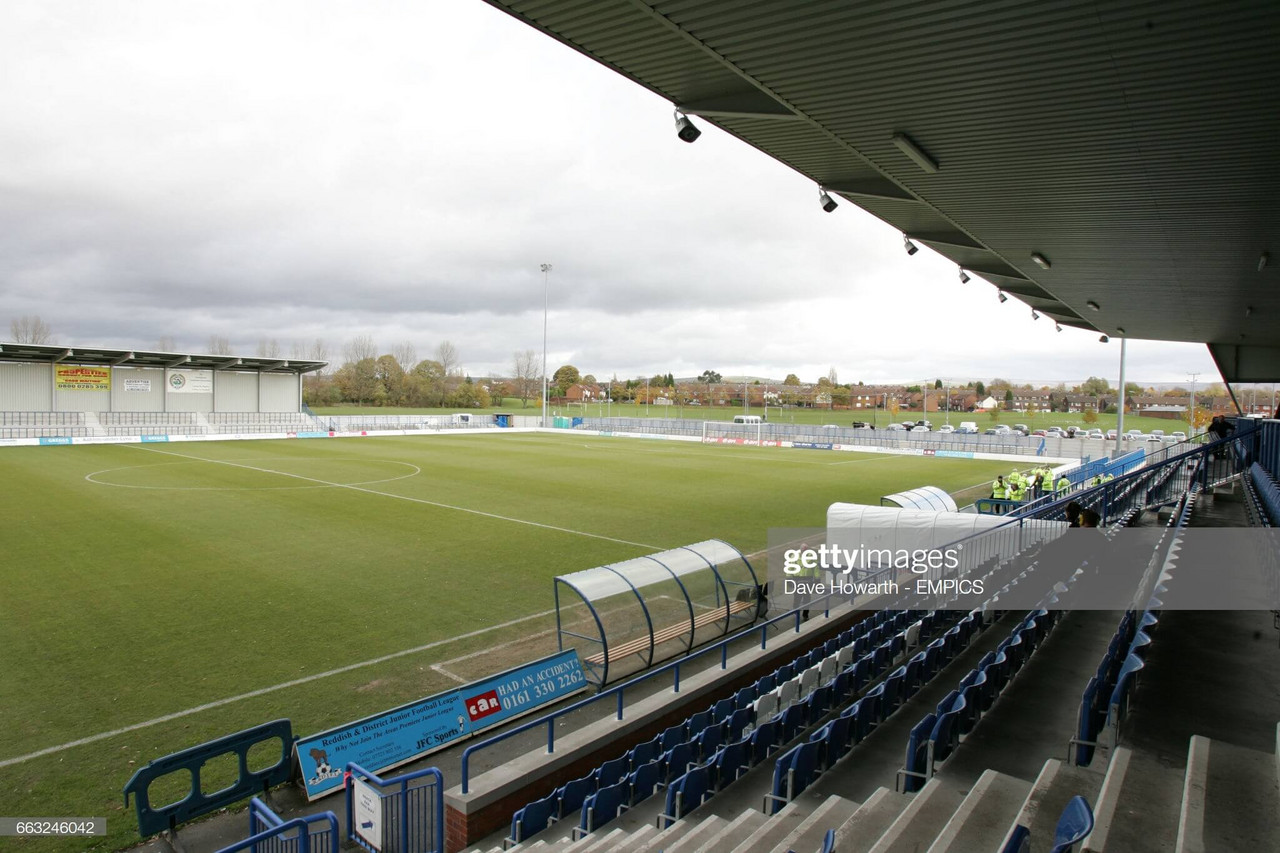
(283, 418)
(935, 737)
(146, 418)
(41, 419)
(801, 766)
(166, 429)
(43, 432)
(1105, 701)
(715, 745)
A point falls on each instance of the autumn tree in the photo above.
(30, 329)
(526, 374)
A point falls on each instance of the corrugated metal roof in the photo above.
(1130, 143)
(46, 353)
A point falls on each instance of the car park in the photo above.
(946, 428)
(861, 425)
(897, 427)
(1095, 434)
(1111, 435)
(966, 430)
(1041, 432)
(1022, 428)
(1178, 435)
(991, 431)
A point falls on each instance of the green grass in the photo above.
(845, 417)
(169, 578)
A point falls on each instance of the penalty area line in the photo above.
(306, 679)
(423, 501)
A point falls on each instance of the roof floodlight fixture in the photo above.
(828, 203)
(1262, 261)
(1003, 298)
(686, 129)
(1057, 327)
(1120, 330)
(1093, 306)
(1104, 340)
(1040, 260)
(964, 276)
(1035, 315)
(911, 248)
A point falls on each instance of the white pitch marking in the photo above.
(217, 703)
(398, 497)
(90, 477)
(447, 674)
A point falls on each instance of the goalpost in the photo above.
(725, 432)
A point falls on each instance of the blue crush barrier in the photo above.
(197, 803)
(270, 833)
(404, 814)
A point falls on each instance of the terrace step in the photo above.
(697, 835)
(921, 821)
(865, 826)
(778, 827)
(984, 816)
(743, 826)
(1053, 789)
(1230, 800)
(829, 814)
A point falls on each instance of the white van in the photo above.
(747, 419)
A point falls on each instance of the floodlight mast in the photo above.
(546, 300)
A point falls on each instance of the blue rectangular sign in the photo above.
(150, 438)
(411, 731)
(55, 439)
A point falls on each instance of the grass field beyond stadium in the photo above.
(140, 581)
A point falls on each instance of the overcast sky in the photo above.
(400, 168)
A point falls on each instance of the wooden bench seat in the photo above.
(671, 632)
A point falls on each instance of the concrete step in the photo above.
(921, 821)
(830, 813)
(775, 829)
(985, 815)
(741, 827)
(609, 841)
(1107, 810)
(1053, 788)
(865, 826)
(568, 845)
(1230, 799)
(1136, 805)
(697, 835)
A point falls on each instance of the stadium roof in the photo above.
(137, 358)
(1131, 145)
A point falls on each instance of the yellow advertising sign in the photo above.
(69, 377)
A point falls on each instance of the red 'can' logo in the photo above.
(483, 705)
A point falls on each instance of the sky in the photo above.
(400, 169)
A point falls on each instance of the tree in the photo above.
(219, 345)
(166, 344)
(565, 376)
(937, 384)
(320, 352)
(526, 374)
(428, 388)
(1008, 398)
(268, 348)
(791, 379)
(1095, 386)
(710, 377)
(831, 375)
(30, 330)
(360, 348)
(391, 377)
(980, 389)
(589, 379)
(1089, 416)
(358, 381)
(1133, 389)
(405, 354)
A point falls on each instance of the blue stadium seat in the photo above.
(644, 780)
(603, 806)
(534, 818)
(997, 670)
(819, 702)
(1075, 823)
(917, 753)
(731, 761)
(893, 690)
(861, 672)
(573, 793)
(744, 697)
(834, 737)
(671, 737)
(1118, 705)
(791, 722)
(793, 772)
(685, 794)
(765, 683)
(763, 740)
(786, 672)
(721, 710)
(1089, 722)
(874, 701)
(738, 723)
(973, 689)
(841, 688)
(709, 742)
(697, 722)
(643, 753)
(946, 732)
(676, 761)
(612, 771)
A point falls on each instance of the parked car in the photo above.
(861, 425)
(946, 428)
(966, 430)
(1178, 435)
(1022, 428)
(991, 431)
(1095, 433)
(897, 427)
(1040, 432)
(1111, 435)
(1158, 432)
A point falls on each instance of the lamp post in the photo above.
(546, 299)
(1194, 377)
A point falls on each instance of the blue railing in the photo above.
(411, 807)
(269, 833)
(722, 646)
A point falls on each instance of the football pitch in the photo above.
(156, 596)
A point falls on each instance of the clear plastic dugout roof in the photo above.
(626, 616)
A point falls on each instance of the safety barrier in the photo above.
(153, 819)
(818, 605)
(404, 814)
(270, 833)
